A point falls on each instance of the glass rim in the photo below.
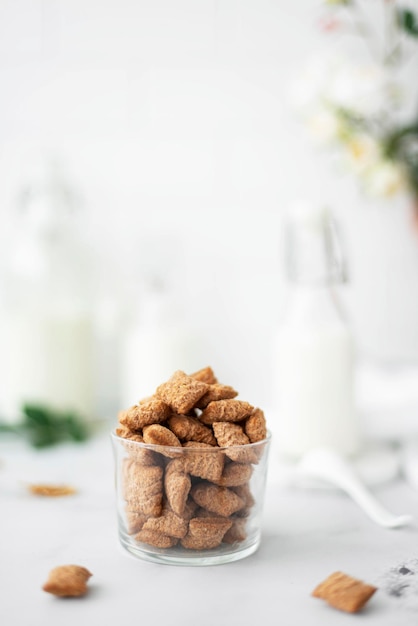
(205, 450)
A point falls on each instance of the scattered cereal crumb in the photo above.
(67, 581)
(51, 490)
(344, 592)
(400, 584)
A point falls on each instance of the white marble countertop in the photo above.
(307, 534)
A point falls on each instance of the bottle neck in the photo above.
(315, 269)
(313, 255)
(314, 306)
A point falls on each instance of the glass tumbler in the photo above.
(191, 505)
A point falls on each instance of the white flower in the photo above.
(386, 179)
(324, 125)
(361, 89)
(365, 90)
(363, 152)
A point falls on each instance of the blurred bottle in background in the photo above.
(314, 353)
(155, 342)
(47, 330)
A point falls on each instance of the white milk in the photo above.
(49, 361)
(314, 378)
(314, 353)
(150, 355)
(155, 344)
(46, 349)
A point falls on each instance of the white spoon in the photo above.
(325, 464)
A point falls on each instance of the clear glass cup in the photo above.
(190, 505)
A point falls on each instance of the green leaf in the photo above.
(76, 429)
(408, 21)
(42, 437)
(10, 428)
(36, 415)
(394, 142)
(44, 426)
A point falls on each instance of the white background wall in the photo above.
(172, 117)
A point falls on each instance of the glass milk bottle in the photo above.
(155, 343)
(46, 323)
(314, 353)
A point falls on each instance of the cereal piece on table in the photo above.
(67, 581)
(150, 411)
(177, 486)
(51, 491)
(229, 435)
(155, 539)
(143, 487)
(237, 531)
(181, 392)
(167, 524)
(205, 375)
(160, 436)
(188, 428)
(255, 426)
(203, 460)
(235, 474)
(217, 499)
(344, 592)
(216, 392)
(226, 411)
(134, 521)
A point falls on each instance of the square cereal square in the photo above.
(344, 592)
(181, 392)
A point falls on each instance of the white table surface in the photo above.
(307, 534)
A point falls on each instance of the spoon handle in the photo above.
(331, 467)
(371, 506)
